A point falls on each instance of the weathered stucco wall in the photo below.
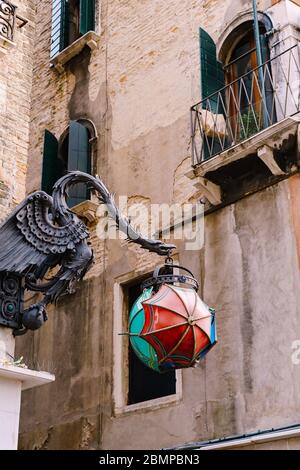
(137, 88)
(16, 62)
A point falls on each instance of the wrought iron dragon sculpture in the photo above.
(43, 233)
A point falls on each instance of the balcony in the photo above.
(248, 126)
(7, 20)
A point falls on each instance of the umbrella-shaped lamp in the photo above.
(170, 327)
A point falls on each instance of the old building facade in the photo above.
(16, 62)
(123, 77)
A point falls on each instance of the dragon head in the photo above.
(157, 246)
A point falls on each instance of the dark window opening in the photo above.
(144, 383)
(63, 153)
(73, 23)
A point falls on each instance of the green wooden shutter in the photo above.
(212, 74)
(212, 80)
(60, 25)
(87, 16)
(51, 168)
(78, 159)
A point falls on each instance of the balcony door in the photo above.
(249, 92)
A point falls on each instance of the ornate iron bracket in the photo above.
(11, 300)
(42, 233)
(7, 20)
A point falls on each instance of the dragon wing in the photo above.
(29, 236)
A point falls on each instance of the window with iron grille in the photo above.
(241, 98)
(237, 97)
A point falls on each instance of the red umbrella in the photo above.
(179, 326)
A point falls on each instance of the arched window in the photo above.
(249, 91)
(237, 92)
(243, 57)
(73, 151)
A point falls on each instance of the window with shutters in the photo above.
(237, 96)
(73, 23)
(73, 151)
(244, 129)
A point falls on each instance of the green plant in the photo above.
(250, 123)
(14, 362)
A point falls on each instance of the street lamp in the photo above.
(170, 327)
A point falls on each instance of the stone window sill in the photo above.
(86, 210)
(90, 39)
(156, 404)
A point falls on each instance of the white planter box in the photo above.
(12, 381)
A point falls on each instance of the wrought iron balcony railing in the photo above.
(260, 98)
(7, 19)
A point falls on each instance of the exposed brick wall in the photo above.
(15, 104)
